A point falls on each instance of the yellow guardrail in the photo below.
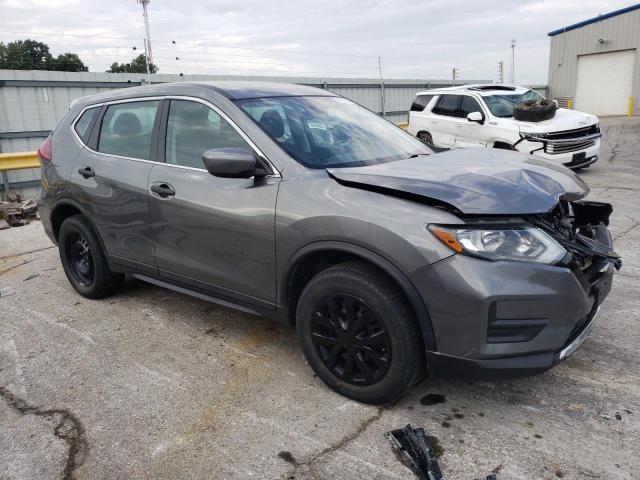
(18, 161)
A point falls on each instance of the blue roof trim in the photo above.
(595, 19)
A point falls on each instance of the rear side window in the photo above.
(127, 128)
(192, 129)
(85, 122)
(448, 105)
(420, 103)
(469, 105)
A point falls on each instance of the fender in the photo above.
(420, 309)
(73, 203)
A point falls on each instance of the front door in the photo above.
(470, 134)
(215, 234)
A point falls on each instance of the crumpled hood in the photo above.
(475, 181)
(563, 120)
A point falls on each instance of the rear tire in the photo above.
(84, 261)
(358, 333)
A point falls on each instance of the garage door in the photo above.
(604, 82)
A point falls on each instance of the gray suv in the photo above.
(291, 202)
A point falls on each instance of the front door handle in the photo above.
(86, 172)
(163, 190)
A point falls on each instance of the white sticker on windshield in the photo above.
(317, 125)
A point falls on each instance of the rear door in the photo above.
(445, 120)
(110, 179)
(470, 134)
(420, 115)
(214, 234)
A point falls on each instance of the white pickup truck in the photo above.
(482, 116)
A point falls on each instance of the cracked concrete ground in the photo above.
(154, 384)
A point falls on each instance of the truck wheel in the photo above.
(358, 333)
(84, 261)
(426, 138)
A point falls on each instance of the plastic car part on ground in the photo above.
(417, 453)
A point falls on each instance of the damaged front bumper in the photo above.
(574, 153)
(506, 318)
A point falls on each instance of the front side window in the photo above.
(127, 129)
(82, 126)
(192, 129)
(448, 105)
(420, 103)
(329, 132)
(469, 105)
(502, 105)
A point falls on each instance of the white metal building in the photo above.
(595, 64)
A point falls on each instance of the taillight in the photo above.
(45, 152)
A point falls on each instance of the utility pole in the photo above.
(147, 44)
(513, 62)
(454, 74)
(381, 87)
(500, 71)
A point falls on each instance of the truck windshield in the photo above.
(502, 105)
(329, 132)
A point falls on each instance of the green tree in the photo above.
(68, 62)
(32, 55)
(137, 65)
(25, 55)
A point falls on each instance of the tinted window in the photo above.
(469, 105)
(420, 103)
(322, 132)
(192, 129)
(448, 105)
(85, 122)
(126, 129)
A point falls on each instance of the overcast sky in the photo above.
(415, 39)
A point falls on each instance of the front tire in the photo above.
(358, 333)
(426, 138)
(84, 261)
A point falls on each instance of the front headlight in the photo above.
(526, 244)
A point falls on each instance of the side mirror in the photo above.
(232, 163)
(476, 117)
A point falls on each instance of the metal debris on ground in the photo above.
(417, 452)
(6, 291)
(15, 212)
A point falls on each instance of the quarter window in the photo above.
(84, 123)
(127, 129)
(448, 105)
(420, 103)
(192, 129)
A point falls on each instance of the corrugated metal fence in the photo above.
(32, 103)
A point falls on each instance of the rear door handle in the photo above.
(86, 172)
(163, 190)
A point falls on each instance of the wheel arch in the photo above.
(314, 258)
(63, 209)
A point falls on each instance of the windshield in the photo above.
(502, 105)
(324, 132)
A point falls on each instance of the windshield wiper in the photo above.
(418, 154)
